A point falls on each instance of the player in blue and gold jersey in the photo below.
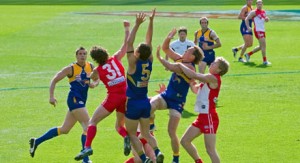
(174, 97)
(79, 80)
(207, 39)
(247, 35)
(138, 74)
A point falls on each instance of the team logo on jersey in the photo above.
(203, 107)
(216, 100)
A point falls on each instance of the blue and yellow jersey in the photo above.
(249, 9)
(204, 37)
(137, 83)
(79, 81)
(178, 87)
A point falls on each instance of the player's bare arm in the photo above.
(140, 18)
(67, 71)
(95, 79)
(166, 46)
(195, 38)
(122, 51)
(249, 17)
(150, 32)
(207, 78)
(170, 66)
(243, 12)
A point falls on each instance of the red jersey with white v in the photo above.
(259, 20)
(207, 98)
(112, 74)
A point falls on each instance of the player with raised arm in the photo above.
(138, 74)
(174, 97)
(112, 73)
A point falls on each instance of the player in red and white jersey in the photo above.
(259, 17)
(207, 121)
(112, 73)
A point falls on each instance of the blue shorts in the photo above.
(138, 108)
(243, 30)
(75, 102)
(209, 57)
(173, 104)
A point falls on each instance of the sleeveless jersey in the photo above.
(207, 98)
(79, 81)
(204, 37)
(178, 87)
(249, 9)
(112, 74)
(259, 20)
(137, 83)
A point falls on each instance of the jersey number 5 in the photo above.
(145, 71)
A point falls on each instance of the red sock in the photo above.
(265, 59)
(122, 131)
(198, 161)
(91, 133)
(250, 53)
(130, 160)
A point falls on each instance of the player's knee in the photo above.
(248, 44)
(184, 142)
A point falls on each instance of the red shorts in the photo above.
(115, 101)
(260, 34)
(207, 123)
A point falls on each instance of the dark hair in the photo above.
(182, 29)
(99, 54)
(199, 55)
(144, 50)
(80, 48)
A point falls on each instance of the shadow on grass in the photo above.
(252, 64)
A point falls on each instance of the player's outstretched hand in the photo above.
(126, 23)
(153, 14)
(162, 87)
(140, 18)
(172, 33)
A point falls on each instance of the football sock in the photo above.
(175, 158)
(250, 53)
(122, 131)
(198, 161)
(91, 133)
(264, 59)
(53, 132)
(143, 157)
(156, 151)
(83, 139)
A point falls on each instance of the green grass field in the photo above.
(258, 106)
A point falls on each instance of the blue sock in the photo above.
(156, 151)
(143, 157)
(83, 138)
(48, 135)
(175, 159)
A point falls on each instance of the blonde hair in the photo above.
(223, 65)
